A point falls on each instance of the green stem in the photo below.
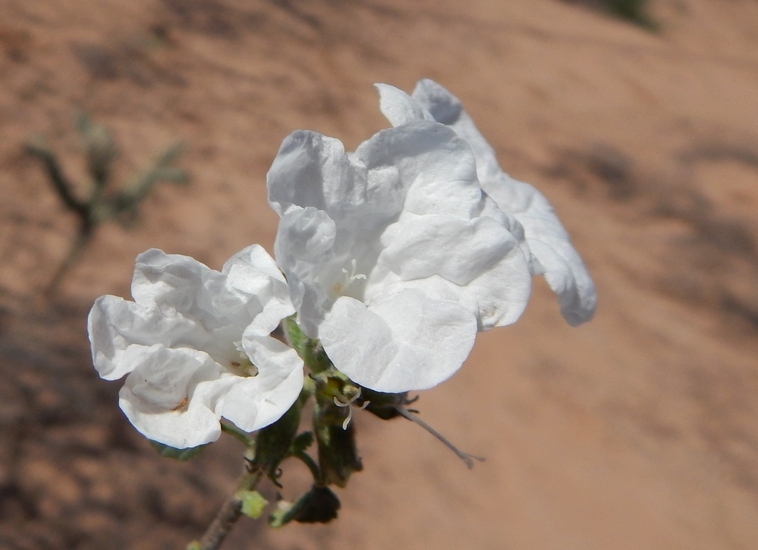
(309, 349)
(238, 434)
(306, 459)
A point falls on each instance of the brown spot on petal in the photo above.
(181, 405)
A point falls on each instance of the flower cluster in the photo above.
(392, 257)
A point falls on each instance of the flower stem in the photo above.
(309, 349)
(229, 513)
(306, 459)
(238, 434)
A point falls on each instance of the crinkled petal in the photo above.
(437, 172)
(171, 394)
(547, 239)
(311, 169)
(114, 324)
(305, 236)
(173, 282)
(447, 109)
(402, 342)
(459, 250)
(304, 243)
(399, 107)
(565, 271)
(254, 403)
(479, 256)
(254, 274)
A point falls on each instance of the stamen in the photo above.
(348, 404)
(350, 276)
(467, 458)
(243, 366)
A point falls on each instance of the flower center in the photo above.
(242, 366)
(349, 405)
(340, 287)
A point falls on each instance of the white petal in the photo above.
(501, 293)
(114, 324)
(108, 343)
(256, 402)
(547, 239)
(173, 282)
(304, 236)
(254, 274)
(399, 107)
(303, 246)
(446, 109)
(565, 272)
(458, 250)
(402, 342)
(479, 256)
(171, 394)
(313, 170)
(437, 172)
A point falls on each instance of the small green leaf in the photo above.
(273, 442)
(181, 455)
(253, 503)
(301, 443)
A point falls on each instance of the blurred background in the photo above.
(637, 430)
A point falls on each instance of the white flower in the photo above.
(550, 245)
(196, 346)
(393, 254)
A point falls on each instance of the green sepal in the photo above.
(253, 503)
(309, 349)
(301, 443)
(181, 455)
(337, 454)
(383, 405)
(319, 505)
(273, 443)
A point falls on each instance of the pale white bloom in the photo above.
(545, 237)
(196, 345)
(393, 254)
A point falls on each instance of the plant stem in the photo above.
(229, 513)
(238, 434)
(306, 459)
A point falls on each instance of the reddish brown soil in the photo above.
(639, 430)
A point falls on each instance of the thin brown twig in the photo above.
(229, 513)
(78, 246)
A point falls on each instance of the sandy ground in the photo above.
(639, 430)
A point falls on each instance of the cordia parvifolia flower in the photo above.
(394, 256)
(195, 346)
